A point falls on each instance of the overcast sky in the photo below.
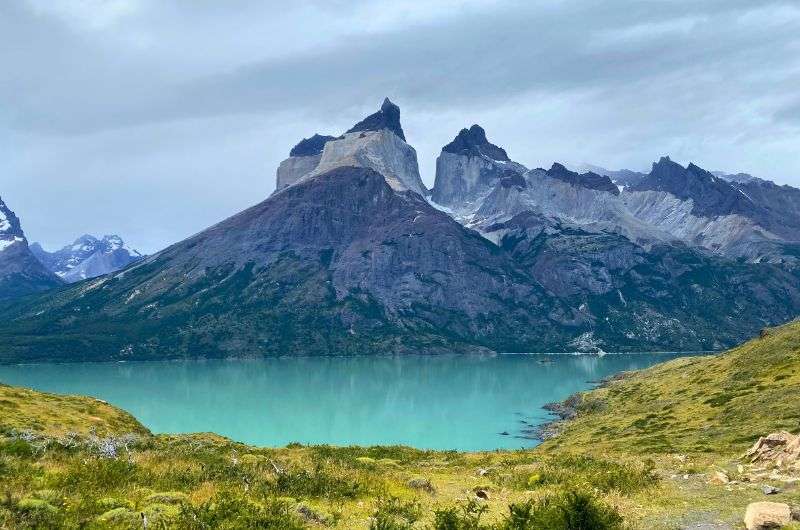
(156, 118)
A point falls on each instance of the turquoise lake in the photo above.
(450, 402)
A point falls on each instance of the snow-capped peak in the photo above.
(88, 257)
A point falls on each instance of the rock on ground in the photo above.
(767, 515)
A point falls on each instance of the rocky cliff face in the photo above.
(628, 292)
(303, 159)
(87, 257)
(572, 198)
(589, 180)
(20, 272)
(670, 204)
(377, 142)
(710, 195)
(467, 169)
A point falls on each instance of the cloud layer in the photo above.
(155, 119)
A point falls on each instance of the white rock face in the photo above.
(462, 180)
(294, 168)
(593, 210)
(733, 235)
(644, 217)
(382, 151)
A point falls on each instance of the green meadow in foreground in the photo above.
(644, 451)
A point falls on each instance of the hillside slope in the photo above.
(22, 409)
(718, 405)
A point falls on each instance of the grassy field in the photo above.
(642, 453)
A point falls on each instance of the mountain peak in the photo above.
(87, 257)
(311, 146)
(20, 272)
(473, 142)
(9, 223)
(586, 180)
(388, 117)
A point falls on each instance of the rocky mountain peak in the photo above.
(9, 223)
(473, 142)
(20, 272)
(587, 180)
(311, 146)
(388, 117)
(87, 257)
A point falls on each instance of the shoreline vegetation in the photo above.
(661, 448)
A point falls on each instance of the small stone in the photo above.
(767, 515)
(770, 490)
(482, 494)
(482, 472)
(719, 477)
(740, 468)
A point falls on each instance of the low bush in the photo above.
(565, 511)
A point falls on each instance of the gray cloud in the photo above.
(159, 118)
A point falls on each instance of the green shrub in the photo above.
(39, 514)
(466, 516)
(110, 503)
(99, 474)
(227, 511)
(118, 516)
(323, 481)
(567, 511)
(18, 448)
(393, 514)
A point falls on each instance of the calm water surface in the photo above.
(450, 402)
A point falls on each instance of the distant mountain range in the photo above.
(353, 255)
(87, 257)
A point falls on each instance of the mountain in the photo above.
(87, 257)
(351, 258)
(700, 208)
(348, 260)
(754, 220)
(710, 195)
(467, 169)
(377, 142)
(20, 272)
(589, 180)
(626, 292)
(337, 263)
(620, 177)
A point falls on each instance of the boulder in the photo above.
(780, 448)
(719, 477)
(767, 515)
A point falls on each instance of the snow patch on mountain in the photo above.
(87, 257)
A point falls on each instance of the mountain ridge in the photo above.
(87, 257)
